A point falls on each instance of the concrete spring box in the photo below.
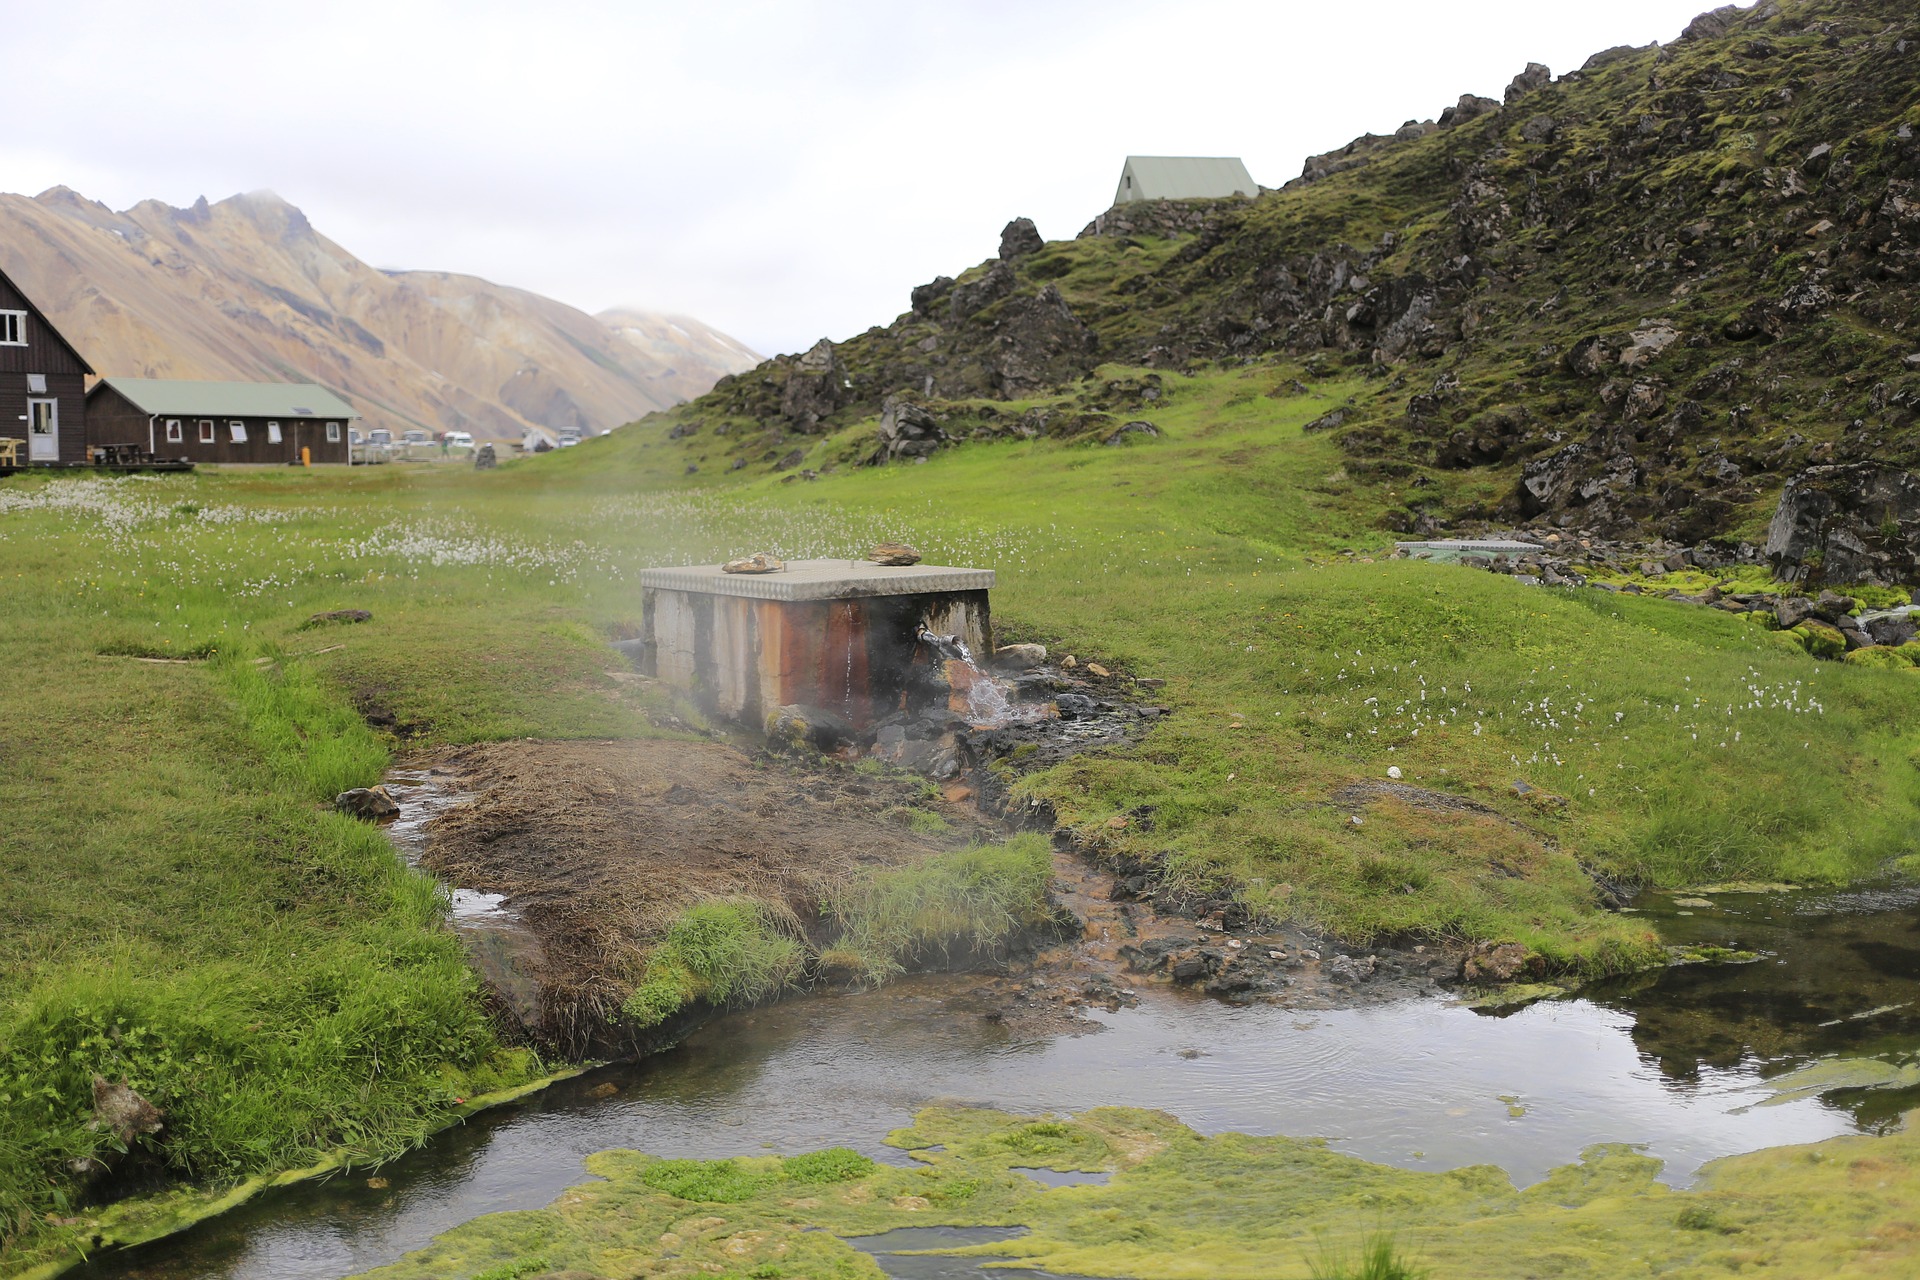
(836, 635)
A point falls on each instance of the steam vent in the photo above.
(856, 640)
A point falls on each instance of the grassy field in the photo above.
(184, 912)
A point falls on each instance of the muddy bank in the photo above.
(577, 854)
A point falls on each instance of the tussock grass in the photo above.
(969, 901)
(720, 952)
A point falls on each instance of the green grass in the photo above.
(1228, 1207)
(720, 953)
(167, 845)
(969, 901)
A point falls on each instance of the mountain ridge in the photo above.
(246, 288)
(1639, 298)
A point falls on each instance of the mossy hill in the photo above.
(1637, 298)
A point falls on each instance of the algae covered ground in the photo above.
(1184, 1207)
(186, 915)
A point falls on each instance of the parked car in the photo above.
(380, 436)
(415, 436)
(569, 438)
(457, 440)
(354, 436)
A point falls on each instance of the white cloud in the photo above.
(780, 170)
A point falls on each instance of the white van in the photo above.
(458, 439)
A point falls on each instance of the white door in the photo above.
(43, 430)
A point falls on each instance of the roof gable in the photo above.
(1184, 178)
(229, 399)
(47, 324)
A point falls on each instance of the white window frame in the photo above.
(207, 433)
(36, 384)
(236, 431)
(174, 433)
(333, 433)
(273, 431)
(13, 328)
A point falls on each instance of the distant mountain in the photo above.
(247, 289)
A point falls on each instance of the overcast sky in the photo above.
(782, 171)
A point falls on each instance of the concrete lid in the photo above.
(820, 580)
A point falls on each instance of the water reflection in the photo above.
(1676, 1061)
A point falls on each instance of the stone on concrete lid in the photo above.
(820, 580)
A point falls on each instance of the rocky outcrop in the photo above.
(907, 431)
(369, 804)
(1020, 238)
(817, 385)
(1857, 522)
(1038, 344)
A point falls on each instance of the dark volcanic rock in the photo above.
(1041, 344)
(1020, 238)
(816, 386)
(908, 430)
(1536, 76)
(1856, 522)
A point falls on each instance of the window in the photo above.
(273, 433)
(13, 328)
(174, 434)
(206, 431)
(36, 384)
(333, 433)
(236, 431)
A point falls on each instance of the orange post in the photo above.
(306, 456)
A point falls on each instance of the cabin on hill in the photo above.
(1183, 178)
(43, 383)
(221, 422)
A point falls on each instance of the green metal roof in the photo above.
(1183, 178)
(231, 399)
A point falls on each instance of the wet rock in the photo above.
(894, 554)
(371, 804)
(1494, 962)
(1020, 238)
(1791, 611)
(1351, 970)
(758, 562)
(1892, 631)
(1195, 965)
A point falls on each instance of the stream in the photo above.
(1694, 1063)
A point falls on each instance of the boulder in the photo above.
(1712, 24)
(1132, 430)
(1892, 629)
(1851, 522)
(908, 430)
(1471, 106)
(893, 554)
(968, 299)
(1020, 238)
(1879, 656)
(926, 296)
(1039, 344)
(1536, 76)
(1791, 611)
(1539, 129)
(370, 804)
(484, 458)
(1820, 640)
(1644, 344)
(332, 616)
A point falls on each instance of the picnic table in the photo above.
(119, 455)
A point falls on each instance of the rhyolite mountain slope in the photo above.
(247, 289)
(1640, 298)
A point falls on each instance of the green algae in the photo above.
(1181, 1206)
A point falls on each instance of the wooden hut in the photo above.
(220, 422)
(43, 407)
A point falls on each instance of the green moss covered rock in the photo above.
(1821, 640)
(1880, 655)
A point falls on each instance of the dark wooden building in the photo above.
(43, 406)
(220, 421)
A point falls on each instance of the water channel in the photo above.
(1694, 1063)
